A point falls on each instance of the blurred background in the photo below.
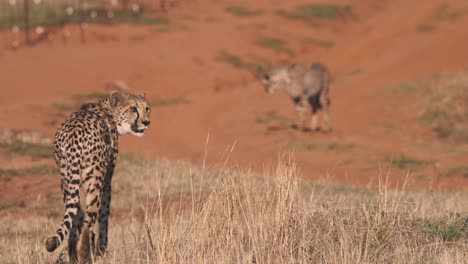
(399, 91)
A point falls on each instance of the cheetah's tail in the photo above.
(63, 231)
(72, 203)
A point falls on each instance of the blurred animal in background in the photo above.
(303, 84)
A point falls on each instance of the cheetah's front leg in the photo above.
(104, 217)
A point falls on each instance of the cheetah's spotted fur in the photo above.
(86, 148)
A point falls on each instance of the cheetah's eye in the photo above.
(134, 109)
(266, 77)
(147, 109)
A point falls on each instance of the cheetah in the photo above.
(303, 84)
(86, 149)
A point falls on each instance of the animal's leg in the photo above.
(74, 235)
(325, 104)
(315, 105)
(104, 214)
(93, 186)
(314, 121)
(301, 112)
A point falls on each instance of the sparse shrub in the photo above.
(461, 170)
(165, 28)
(445, 12)
(137, 38)
(261, 120)
(320, 43)
(169, 101)
(30, 149)
(321, 145)
(4, 206)
(167, 212)
(426, 28)
(35, 170)
(445, 108)
(405, 162)
(80, 99)
(102, 36)
(450, 228)
(440, 104)
(87, 97)
(238, 62)
(405, 88)
(318, 11)
(242, 11)
(273, 117)
(232, 59)
(64, 106)
(52, 14)
(275, 44)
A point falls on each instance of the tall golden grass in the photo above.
(174, 212)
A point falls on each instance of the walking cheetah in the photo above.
(86, 148)
(303, 84)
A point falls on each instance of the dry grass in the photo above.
(271, 117)
(318, 42)
(439, 102)
(318, 11)
(238, 62)
(275, 44)
(241, 11)
(34, 150)
(169, 101)
(317, 145)
(52, 13)
(445, 107)
(169, 212)
(33, 170)
(444, 13)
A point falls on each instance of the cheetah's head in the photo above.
(131, 113)
(275, 79)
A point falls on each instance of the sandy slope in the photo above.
(380, 48)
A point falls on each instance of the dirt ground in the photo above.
(197, 96)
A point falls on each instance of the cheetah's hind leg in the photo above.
(74, 236)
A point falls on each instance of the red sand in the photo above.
(380, 48)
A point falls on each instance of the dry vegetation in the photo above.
(54, 13)
(173, 212)
(240, 63)
(439, 103)
(444, 13)
(445, 107)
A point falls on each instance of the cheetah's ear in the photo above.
(117, 98)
